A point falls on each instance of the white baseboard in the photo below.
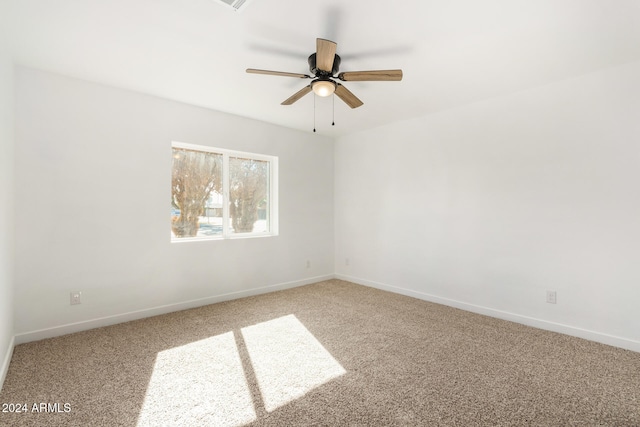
(612, 340)
(139, 314)
(134, 315)
(4, 368)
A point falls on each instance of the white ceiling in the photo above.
(452, 52)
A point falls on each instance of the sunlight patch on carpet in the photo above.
(288, 361)
(201, 383)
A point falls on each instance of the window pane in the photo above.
(196, 193)
(248, 195)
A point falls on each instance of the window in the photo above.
(217, 193)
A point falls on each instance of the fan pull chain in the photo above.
(333, 110)
(314, 113)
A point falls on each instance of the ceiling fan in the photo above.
(324, 64)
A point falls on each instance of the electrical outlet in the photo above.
(346, 261)
(308, 264)
(76, 298)
(551, 297)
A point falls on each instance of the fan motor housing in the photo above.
(321, 73)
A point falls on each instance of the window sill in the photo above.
(218, 238)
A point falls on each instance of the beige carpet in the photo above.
(332, 353)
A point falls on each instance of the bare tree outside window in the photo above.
(195, 174)
(248, 189)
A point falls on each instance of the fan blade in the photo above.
(277, 73)
(349, 98)
(325, 54)
(299, 94)
(371, 76)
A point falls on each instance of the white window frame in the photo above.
(273, 192)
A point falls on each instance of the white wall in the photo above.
(487, 207)
(93, 198)
(6, 212)
(483, 207)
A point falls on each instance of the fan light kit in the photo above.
(323, 87)
(324, 66)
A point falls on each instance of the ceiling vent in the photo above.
(236, 5)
